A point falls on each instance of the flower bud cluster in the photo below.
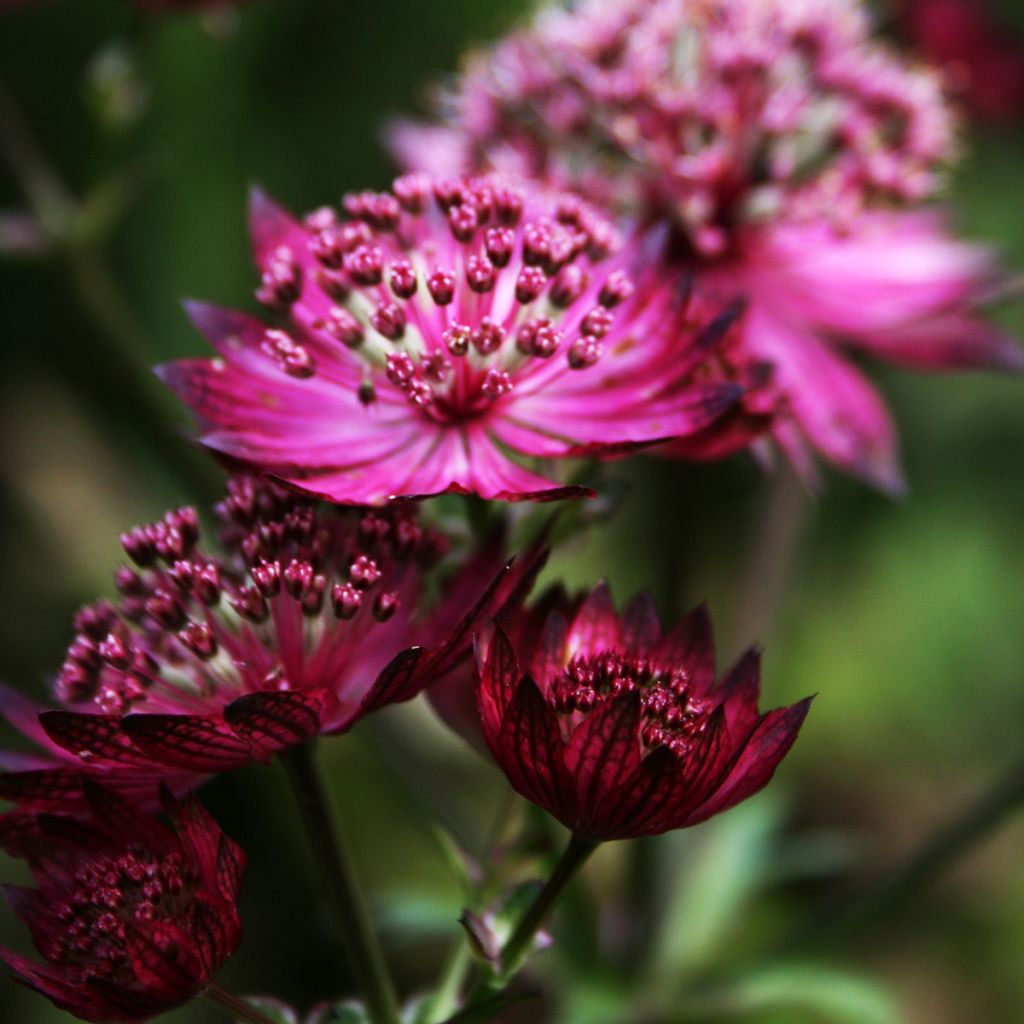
(671, 714)
(713, 111)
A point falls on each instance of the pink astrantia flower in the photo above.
(133, 917)
(765, 132)
(308, 620)
(617, 727)
(430, 332)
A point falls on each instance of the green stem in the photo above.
(341, 888)
(934, 857)
(574, 857)
(445, 998)
(234, 1007)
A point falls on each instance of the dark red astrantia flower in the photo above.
(446, 336)
(131, 916)
(308, 620)
(619, 730)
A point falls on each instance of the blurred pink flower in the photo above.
(792, 154)
(898, 287)
(433, 331)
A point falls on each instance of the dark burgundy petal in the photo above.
(756, 764)
(44, 788)
(621, 815)
(530, 750)
(90, 736)
(700, 770)
(739, 692)
(215, 931)
(129, 1005)
(198, 833)
(604, 751)
(552, 650)
(499, 682)
(399, 680)
(173, 969)
(74, 998)
(596, 626)
(118, 818)
(641, 627)
(274, 721)
(691, 645)
(200, 743)
(458, 643)
(230, 865)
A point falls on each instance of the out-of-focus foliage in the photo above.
(905, 616)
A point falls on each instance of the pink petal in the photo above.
(837, 408)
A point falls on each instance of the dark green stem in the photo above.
(235, 1008)
(934, 857)
(574, 857)
(341, 889)
(459, 961)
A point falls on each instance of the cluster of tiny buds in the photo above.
(175, 602)
(109, 894)
(722, 109)
(382, 253)
(670, 714)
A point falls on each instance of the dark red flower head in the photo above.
(619, 730)
(306, 620)
(432, 338)
(132, 917)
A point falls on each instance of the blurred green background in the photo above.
(904, 617)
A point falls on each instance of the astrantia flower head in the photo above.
(307, 620)
(132, 917)
(789, 150)
(717, 112)
(618, 729)
(431, 331)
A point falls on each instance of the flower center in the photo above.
(671, 716)
(108, 897)
(453, 292)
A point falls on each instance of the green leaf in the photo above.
(825, 993)
(412, 914)
(726, 864)
(462, 865)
